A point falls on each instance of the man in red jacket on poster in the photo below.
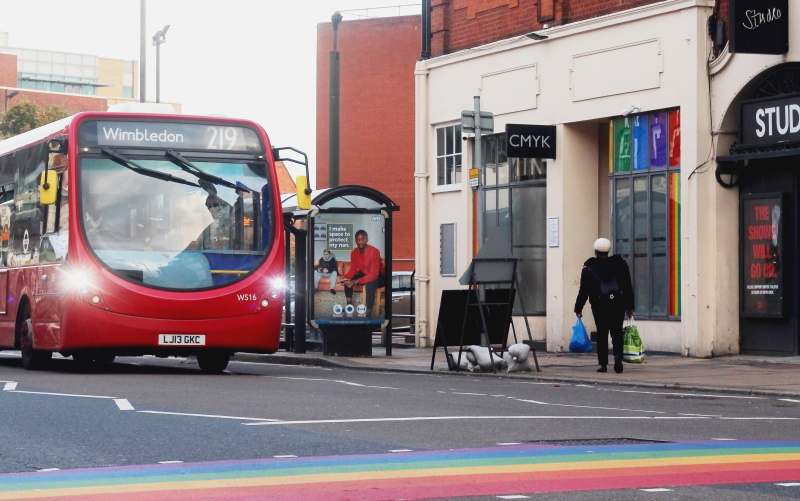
(365, 269)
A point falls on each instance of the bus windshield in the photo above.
(199, 231)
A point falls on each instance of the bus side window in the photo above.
(6, 208)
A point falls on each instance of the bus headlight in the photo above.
(278, 283)
(78, 280)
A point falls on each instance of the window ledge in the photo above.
(446, 188)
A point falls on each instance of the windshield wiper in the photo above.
(130, 164)
(189, 167)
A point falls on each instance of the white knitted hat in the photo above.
(602, 245)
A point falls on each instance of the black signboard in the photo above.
(759, 26)
(178, 135)
(769, 121)
(762, 253)
(531, 141)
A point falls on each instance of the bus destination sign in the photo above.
(183, 136)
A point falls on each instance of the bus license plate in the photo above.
(181, 339)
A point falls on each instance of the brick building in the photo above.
(75, 82)
(377, 114)
(648, 103)
(462, 24)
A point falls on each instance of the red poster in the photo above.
(675, 138)
(762, 251)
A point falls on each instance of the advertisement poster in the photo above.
(348, 269)
(762, 252)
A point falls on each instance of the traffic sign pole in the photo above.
(476, 155)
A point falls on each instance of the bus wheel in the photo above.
(82, 358)
(31, 359)
(104, 359)
(213, 362)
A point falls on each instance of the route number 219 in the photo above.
(222, 138)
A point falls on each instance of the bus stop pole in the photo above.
(300, 285)
(287, 297)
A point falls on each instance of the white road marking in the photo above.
(286, 456)
(760, 418)
(49, 469)
(476, 394)
(789, 484)
(510, 443)
(208, 416)
(401, 450)
(11, 385)
(686, 394)
(583, 386)
(62, 394)
(586, 406)
(446, 418)
(514, 496)
(123, 404)
(169, 462)
(724, 439)
(703, 415)
(533, 382)
(332, 381)
(660, 489)
(789, 400)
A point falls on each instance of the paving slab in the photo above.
(736, 374)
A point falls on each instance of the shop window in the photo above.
(447, 250)
(513, 207)
(448, 155)
(645, 189)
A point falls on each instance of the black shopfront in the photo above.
(765, 160)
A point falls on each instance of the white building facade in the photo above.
(645, 180)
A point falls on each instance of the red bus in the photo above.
(133, 234)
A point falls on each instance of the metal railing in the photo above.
(387, 11)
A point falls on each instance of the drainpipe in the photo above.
(426, 30)
(421, 176)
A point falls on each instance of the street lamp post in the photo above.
(334, 96)
(158, 39)
(8, 95)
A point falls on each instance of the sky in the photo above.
(253, 59)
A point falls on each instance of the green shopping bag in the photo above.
(632, 346)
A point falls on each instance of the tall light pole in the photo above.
(8, 95)
(142, 52)
(333, 108)
(158, 39)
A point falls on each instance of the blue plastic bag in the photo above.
(580, 342)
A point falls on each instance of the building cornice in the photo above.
(556, 32)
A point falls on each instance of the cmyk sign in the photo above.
(530, 141)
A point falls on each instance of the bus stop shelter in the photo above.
(346, 328)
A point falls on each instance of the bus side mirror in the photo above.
(303, 198)
(48, 183)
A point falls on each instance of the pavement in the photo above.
(741, 374)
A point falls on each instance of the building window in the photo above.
(645, 188)
(447, 250)
(513, 208)
(448, 155)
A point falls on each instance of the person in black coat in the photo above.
(606, 283)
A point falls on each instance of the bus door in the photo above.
(52, 252)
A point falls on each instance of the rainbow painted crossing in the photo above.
(424, 475)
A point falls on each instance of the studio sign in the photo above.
(765, 122)
(759, 26)
(530, 141)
